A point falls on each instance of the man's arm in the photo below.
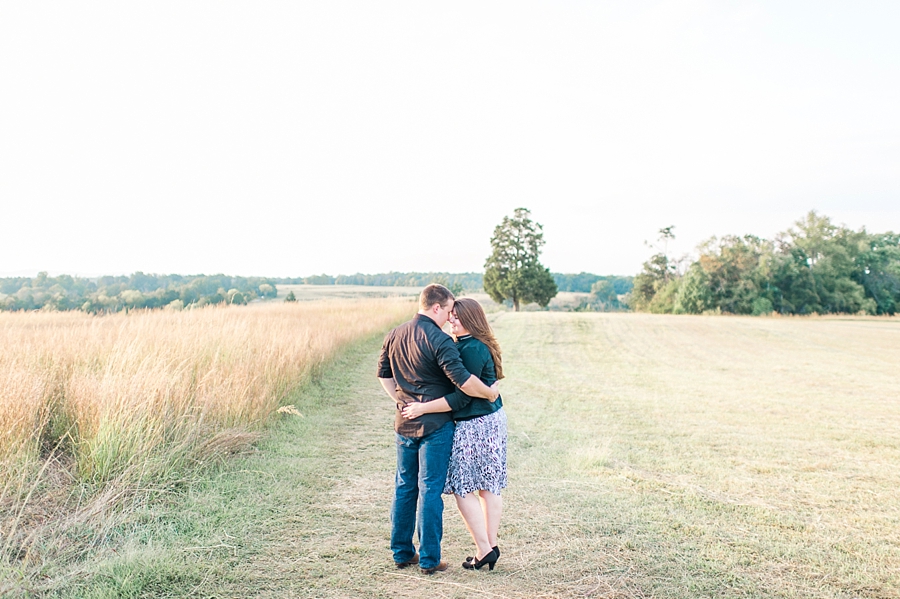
(452, 365)
(385, 372)
(390, 387)
(475, 388)
(416, 409)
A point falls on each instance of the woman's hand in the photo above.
(413, 410)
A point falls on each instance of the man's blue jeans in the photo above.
(421, 473)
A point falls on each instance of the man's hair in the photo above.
(434, 294)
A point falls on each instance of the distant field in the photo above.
(316, 292)
(563, 300)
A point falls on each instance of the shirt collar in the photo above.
(424, 317)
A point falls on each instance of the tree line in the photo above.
(815, 267)
(513, 274)
(467, 281)
(139, 290)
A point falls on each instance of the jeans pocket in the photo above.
(405, 441)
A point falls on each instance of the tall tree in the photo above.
(513, 271)
(665, 234)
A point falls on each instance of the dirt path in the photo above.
(314, 504)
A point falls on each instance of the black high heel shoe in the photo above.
(471, 558)
(490, 559)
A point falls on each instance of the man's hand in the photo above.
(475, 388)
(496, 389)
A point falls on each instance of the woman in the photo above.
(478, 459)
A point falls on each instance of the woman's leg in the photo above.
(492, 507)
(470, 509)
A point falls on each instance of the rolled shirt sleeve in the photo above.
(448, 359)
(458, 400)
(384, 360)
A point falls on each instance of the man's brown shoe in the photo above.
(438, 568)
(412, 562)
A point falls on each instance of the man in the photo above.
(419, 362)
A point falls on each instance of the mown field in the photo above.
(650, 456)
(703, 456)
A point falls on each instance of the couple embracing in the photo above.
(450, 426)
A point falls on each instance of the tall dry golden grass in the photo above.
(113, 398)
(118, 389)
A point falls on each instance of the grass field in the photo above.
(98, 412)
(714, 456)
(650, 456)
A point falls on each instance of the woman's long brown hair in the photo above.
(472, 317)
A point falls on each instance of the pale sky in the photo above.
(297, 138)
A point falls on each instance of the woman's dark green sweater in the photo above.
(478, 360)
